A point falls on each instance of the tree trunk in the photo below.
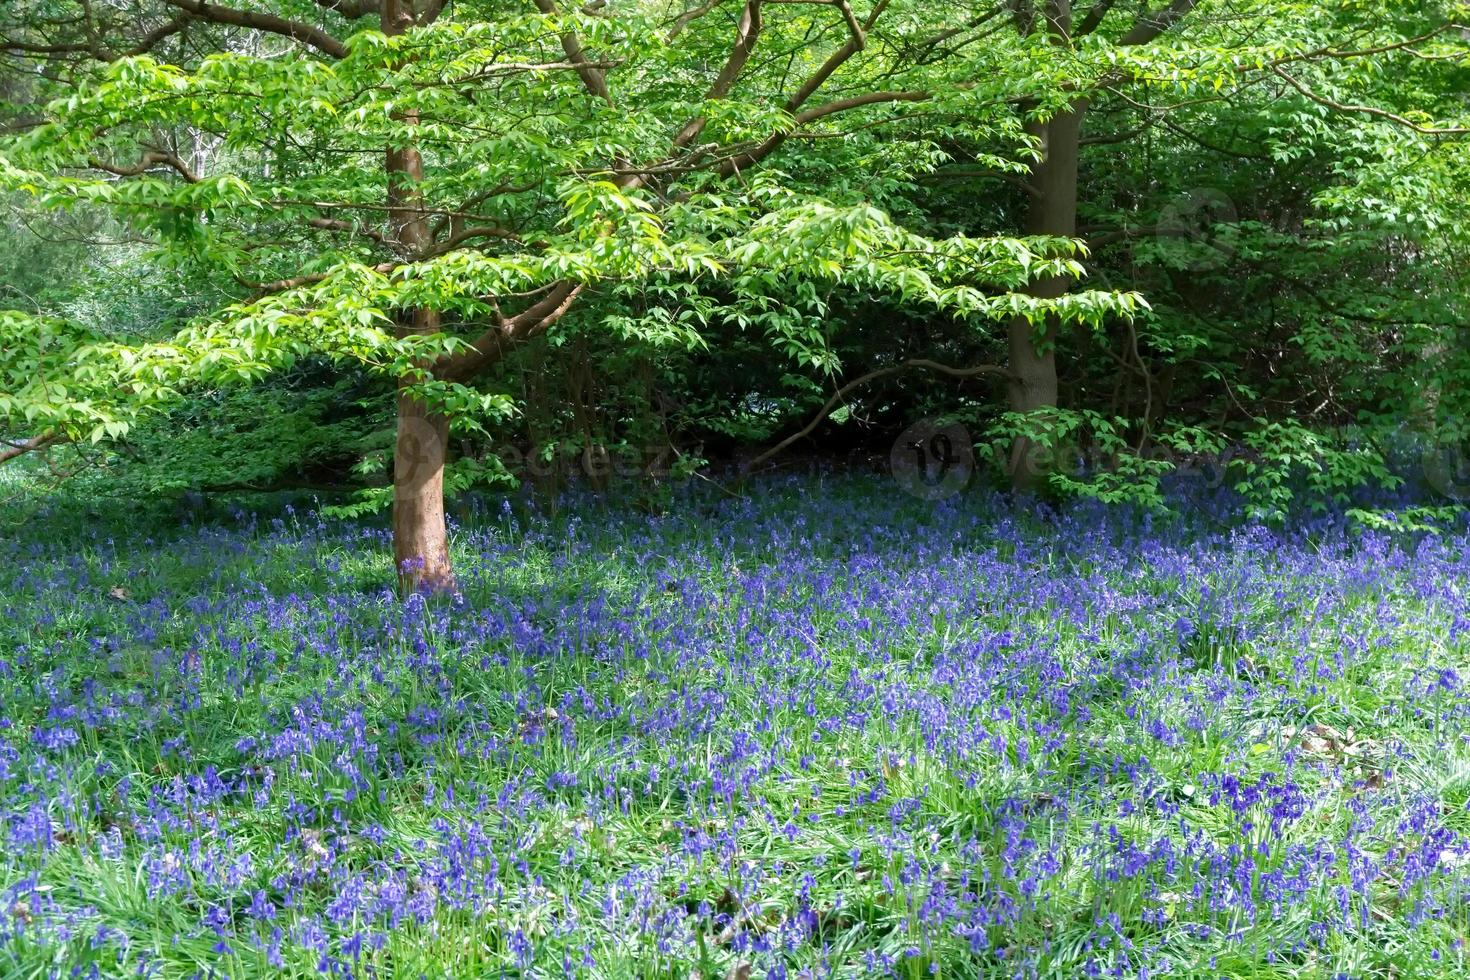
(1033, 366)
(1033, 363)
(420, 537)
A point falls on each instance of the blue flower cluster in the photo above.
(824, 730)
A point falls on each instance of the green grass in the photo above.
(857, 702)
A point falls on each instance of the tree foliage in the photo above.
(652, 221)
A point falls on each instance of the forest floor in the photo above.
(825, 730)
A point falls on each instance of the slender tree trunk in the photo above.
(420, 539)
(1054, 212)
(1033, 364)
(420, 536)
(420, 448)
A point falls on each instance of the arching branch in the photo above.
(856, 383)
(506, 332)
(1368, 110)
(10, 450)
(313, 37)
(148, 161)
(677, 25)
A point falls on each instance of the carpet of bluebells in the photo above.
(823, 730)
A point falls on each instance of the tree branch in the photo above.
(1094, 18)
(1369, 110)
(280, 285)
(337, 224)
(13, 449)
(352, 9)
(96, 50)
(858, 101)
(151, 39)
(271, 24)
(541, 316)
(458, 238)
(677, 25)
(747, 32)
(853, 385)
(505, 333)
(775, 140)
(857, 40)
(1339, 54)
(594, 80)
(1150, 26)
(149, 160)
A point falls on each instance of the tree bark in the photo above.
(420, 536)
(10, 450)
(1033, 364)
